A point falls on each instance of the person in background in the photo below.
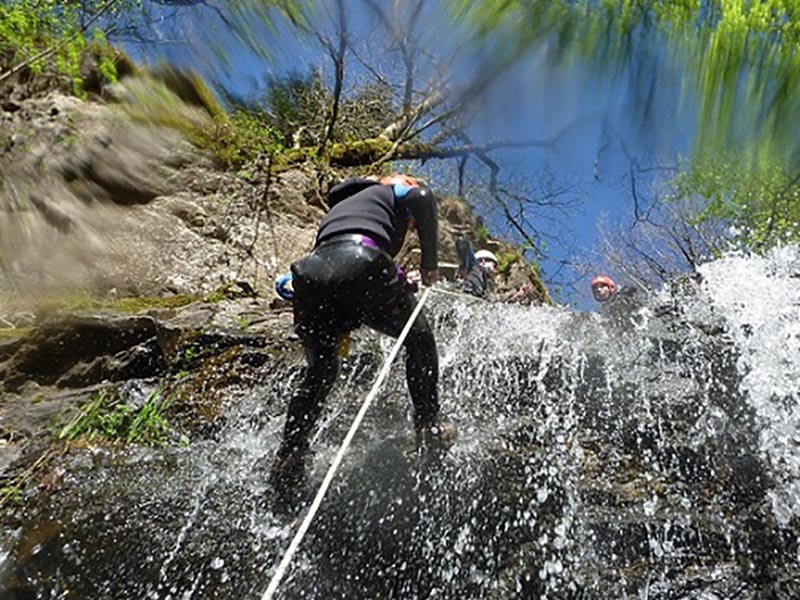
(350, 279)
(623, 305)
(603, 288)
(477, 271)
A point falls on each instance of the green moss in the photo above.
(10, 494)
(152, 101)
(13, 332)
(361, 152)
(506, 260)
(482, 233)
(107, 64)
(181, 100)
(294, 156)
(136, 305)
(189, 87)
(228, 291)
(80, 301)
(72, 302)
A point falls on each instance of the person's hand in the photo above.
(521, 292)
(430, 277)
(413, 277)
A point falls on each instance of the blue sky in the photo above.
(598, 118)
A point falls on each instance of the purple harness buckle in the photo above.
(365, 240)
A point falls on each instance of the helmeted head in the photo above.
(603, 288)
(402, 184)
(487, 260)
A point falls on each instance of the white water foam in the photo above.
(759, 297)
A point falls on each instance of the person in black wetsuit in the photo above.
(621, 305)
(476, 269)
(350, 279)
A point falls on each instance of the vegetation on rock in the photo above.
(106, 418)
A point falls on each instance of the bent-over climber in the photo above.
(350, 279)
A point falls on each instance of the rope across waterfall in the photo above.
(326, 482)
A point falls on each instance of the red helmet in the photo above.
(604, 280)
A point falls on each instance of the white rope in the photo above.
(458, 294)
(298, 537)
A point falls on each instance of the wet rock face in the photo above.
(81, 351)
(133, 208)
(594, 461)
(84, 349)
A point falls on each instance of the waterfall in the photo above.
(648, 452)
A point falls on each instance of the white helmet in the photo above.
(481, 254)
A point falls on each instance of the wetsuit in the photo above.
(623, 308)
(475, 277)
(350, 279)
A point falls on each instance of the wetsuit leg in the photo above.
(422, 360)
(317, 325)
(306, 404)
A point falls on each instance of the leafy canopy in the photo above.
(47, 33)
(739, 58)
(756, 194)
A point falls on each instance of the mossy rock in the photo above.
(191, 89)
(13, 333)
(102, 63)
(359, 153)
(83, 301)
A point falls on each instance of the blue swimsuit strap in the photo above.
(400, 191)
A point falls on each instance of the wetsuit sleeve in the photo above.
(466, 257)
(422, 204)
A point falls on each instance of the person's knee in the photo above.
(324, 369)
(421, 344)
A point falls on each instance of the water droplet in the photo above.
(542, 494)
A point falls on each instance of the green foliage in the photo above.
(10, 494)
(757, 196)
(482, 233)
(51, 35)
(47, 34)
(245, 137)
(106, 418)
(741, 56)
(25, 27)
(506, 260)
(183, 101)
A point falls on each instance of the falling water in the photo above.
(647, 452)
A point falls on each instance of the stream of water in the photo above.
(652, 451)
